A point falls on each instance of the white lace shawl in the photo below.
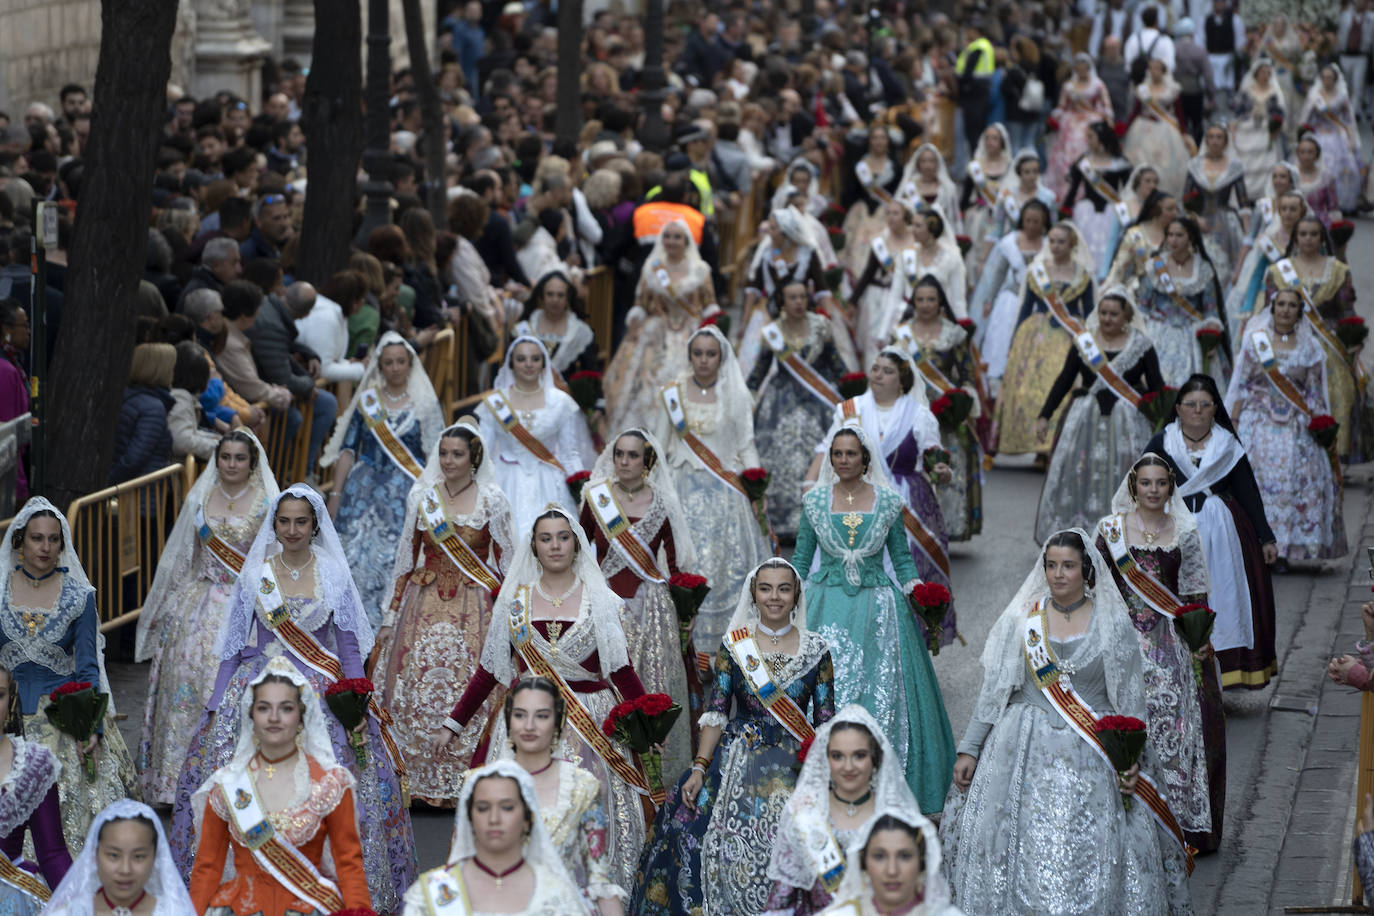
(424, 403)
(665, 502)
(576, 336)
(1307, 352)
(1193, 578)
(936, 898)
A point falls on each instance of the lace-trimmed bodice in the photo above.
(312, 800)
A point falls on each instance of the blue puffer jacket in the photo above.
(143, 443)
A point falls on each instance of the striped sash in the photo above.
(1149, 589)
(1158, 111)
(522, 637)
(220, 549)
(1105, 190)
(505, 415)
(22, 881)
(745, 650)
(452, 544)
(1081, 718)
(374, 417)
(1166, 283)
(1264, 350)
(621, 533)
(987, 188)
(677, 415)
(870, 182)
(1314, 320)
(797, 367)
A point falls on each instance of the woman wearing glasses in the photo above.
(1216, 482)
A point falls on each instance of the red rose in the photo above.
(853, 377)
(754, 475)
(930, 594)
(69, 687)
(1319, 423)
(1051, 124)
(805, 749)
(1120, 128)
(1353, 321)
(1119, 724)
(967, 324)
(579, 477)
(687, 580)
(1066, 212)
(939, 405)
(1148, 397)
(586, 374)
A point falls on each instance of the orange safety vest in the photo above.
(650, 218)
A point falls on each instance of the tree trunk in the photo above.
(568, 123)
(332, 119)
(109, 244)
(431, 112)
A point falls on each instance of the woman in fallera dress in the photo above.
(1131, 262)
(852, 528)
(1247, 287)
(376, 452)
(928, 176)
(1144, 179)
(1155, 135)
(883, 283)
(1217, 483)
(502, 855)
(793, 408)
(446, 574)
(296, 572)
(49, 636)
(1180, 295)
(786, 253)
(1217, 178)
(876, 182)
(931, 336)
(1028, 788)
(982, 188)
(283, 774)
(1261, 121)
(1152, 527)
(996, 300)
(100, 882)
(894, 866)
(569, 797)
(556, 315)
(1083, 100)
(631, 481)
(709, 845)
(1101, 173)
(1103, 431)
(188, 599)
(848, 774)
(1023, 185)
(705, 422)
(28, 810)
(556, 617)
(536, 433)
(1328, 108)
(1298, 479)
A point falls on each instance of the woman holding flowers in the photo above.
(1162, 573)
(1330, 111)
(1156, 135)
(848, 773)
(188, 599)
(631, 483)
(794, 379)
(884, 279)
(1083, 102)
(296, 601)
(709, 845)
(852, 520)
(786, 253)
(1315, 182)
(995, 303)
(1107, 372)
(950, 376)
(1258, 132)
(1037, 793)
(1101, 173)
(1131, 261)
(446, 574)
(982, 186)
(50, 640)
(1279, 402)
(1179, 297)
(705, 422)
(283, 780)
(557, 618)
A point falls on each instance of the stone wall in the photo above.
(45, 44)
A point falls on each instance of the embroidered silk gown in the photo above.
(1093, 213)
(1173, 330)
(1219, 201)
(28, 805)
(881, 658)
(715, 859)
(529, 482)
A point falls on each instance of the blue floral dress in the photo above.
(715, 860)
(372, 508)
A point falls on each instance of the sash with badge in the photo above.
(938, 382)
(621, 533)
(665, 283)
(677, 414)
(522, 638)
(987, 188)
(1158, 111)
(1105, 190)
(1289, 273)
(926, 539)
(1265, 206)
(220, 549)
(1149, 589)
(822, 848)
(1007, 199)
(273, 853)
(445, 892)
(374, 417)
(1264, 351)
(747, 655)
(1060, 693)
(500, 408)
(870, 182)
(881, 252)
(305, 647)
(1169, 288)
(798, 368)
(1085, 343)
(446, 536)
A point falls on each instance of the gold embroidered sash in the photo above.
(220, 549)
(620, 532)
(799, 369)
(446, 536)
(1149, 589)
(505, 415)
(374, 417)
(745, 650)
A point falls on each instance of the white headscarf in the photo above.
(1294, 177)
(735, 397)
(698, 271)
(174, 567)
(1082, 256)
(1307, 352)
(911, 411)
(424, 403)
(877, 473)
(1316, 97)
(660, 480)
(603, 604)
(75, 896)
(1251, 85)
(910, 172)
(505, 377)
(331, 570)
(790, 863)
(491, 502)
(935, 900)
(1110, 635)
(980, 152)
(746, 615)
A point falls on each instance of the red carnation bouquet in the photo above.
(1209, 338)
(932, 457)
(1352, 331)
(585, 388)
(837, 237)
(930, 603)
(964, 243)
(834, 215)
(1120, 128)
(575, 484)
(355, 911)
(1275, 122)
(1193, 202)
(756, 482)
(1157, 405)
(642, 725)
(853, 384)
(77, 709)
(1341, 230)
(1123, 738)
(1051, 125)
(952, 408)
(802, 753)
(1066, 212)
(347, 700)
(968, 325)
(688, 591)
(720, 321)
(1194, 623)
(1324, 429)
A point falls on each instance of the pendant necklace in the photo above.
(852, 807)
(774, 635)
(849, 496)
(37, 581)
(270, 766)
(1149, 536)
(451, 495)
(295, 573)
(705, 389)
(1066, 611)
(499, 876)
(121, 910)
(555, 601)
(229, 500)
